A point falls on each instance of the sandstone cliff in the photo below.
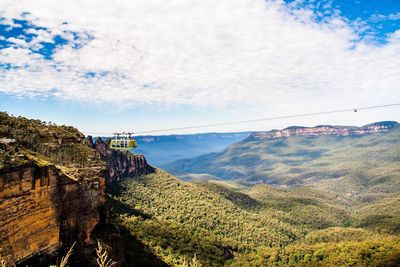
(52, 188)
(378, 127)
(42, 208)
(120, 165)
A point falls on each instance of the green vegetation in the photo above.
(381, 214)
(332, 201)
(361, 173)
(25, 141)
(381, 252)
(62, 145)
(357, 166)
(227, 225)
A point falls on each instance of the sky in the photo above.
(105, 66)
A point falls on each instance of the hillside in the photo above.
(350, 161)
(53, 192)
(217, 224)
(160, 150)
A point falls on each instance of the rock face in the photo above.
(29, 212)
(52, 190)
(378, 127)
(42, 208)
(120, 165)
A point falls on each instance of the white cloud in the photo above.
(19, 42)
(200, 52)
(393, 16)
(10, 23)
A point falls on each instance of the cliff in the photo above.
(52, 188)
(378, 127)
(120, 165)
(42, 208)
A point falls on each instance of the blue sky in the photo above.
(377, 19)
(144, 65)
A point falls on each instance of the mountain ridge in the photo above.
(336, 130)
(364, 162)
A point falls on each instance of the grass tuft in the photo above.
(103, 259)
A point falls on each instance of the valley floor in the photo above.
(224, 224)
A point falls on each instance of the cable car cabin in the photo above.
(123, 142)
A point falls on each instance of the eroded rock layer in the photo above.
(120, 165)
(379, 127)
(52, 189)
(41, 208)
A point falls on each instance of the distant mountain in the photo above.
(350, 160)
(377, 127)
(160, 150)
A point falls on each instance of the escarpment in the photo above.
(29, 211)
(52, 189)
(42, 208)
(378, 127)
(120, 165)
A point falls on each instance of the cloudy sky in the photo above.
(106, 66)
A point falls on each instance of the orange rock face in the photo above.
(52, 190)
(41, 208)
(120, 165)
(28, 214)
(44, 207)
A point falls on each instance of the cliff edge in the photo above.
(120, 165)
(52, 188)
(377, 127)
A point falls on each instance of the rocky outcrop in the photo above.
(378, 127)
(52, 190)
(29, 212)
(120, 165)
(42, 208)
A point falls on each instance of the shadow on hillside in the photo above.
(181, 239)
(125, 248)
(114, 188)
(123, 208)
(186, 241)
(378, 221)
(239, 199)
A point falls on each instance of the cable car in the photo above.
(123, 142)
